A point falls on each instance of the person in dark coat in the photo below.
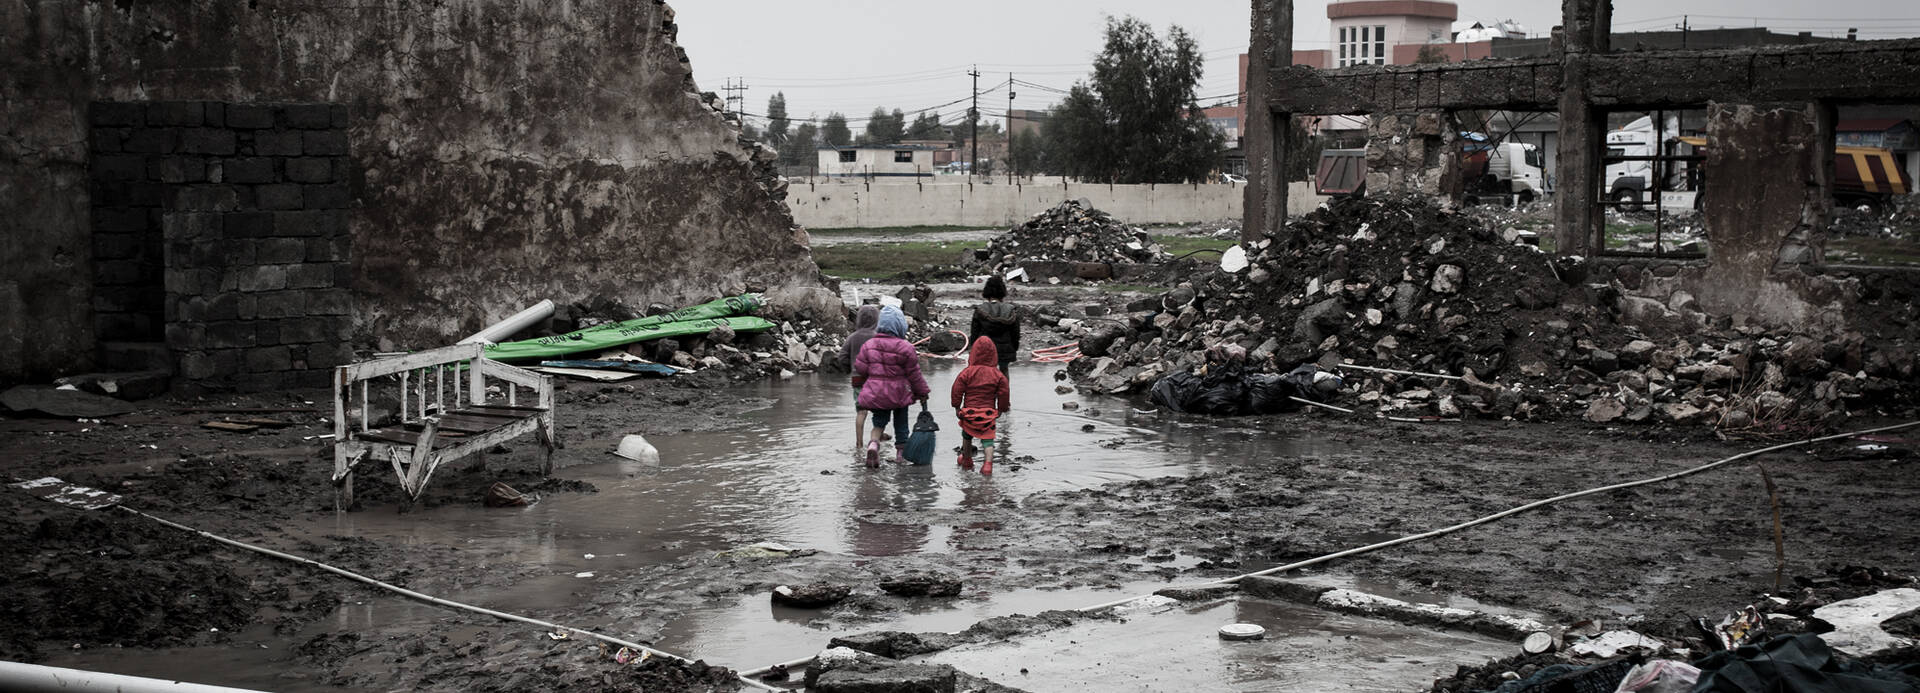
(887, 371)
(997, 320)
(865, 323)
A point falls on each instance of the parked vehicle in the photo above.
(1862, 176)
(1494, 170)
(1233, 178)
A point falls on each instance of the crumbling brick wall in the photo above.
(501, 152)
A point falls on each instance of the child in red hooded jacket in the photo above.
(980, 393)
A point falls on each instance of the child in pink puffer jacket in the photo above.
(887, 371)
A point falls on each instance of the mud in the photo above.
(1142, 501)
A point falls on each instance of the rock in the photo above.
(886, 643)
(1602, 361)
(1096, 343)
(922, 585)
(1306, 328)
(813, 596)
(1070, 406)
(1737, 418)
(1260, 276)
(944, 342)
(1605, 409)
(1176, 299)
(1374, 316)
(500, 495)
(1446, 279)
(720, 334)
(1234, 259)
(898, 678)
(684, 359)
(65, 403)
(1682, 412)
(1447, 407)
(712, 362)
(1637, 351)
(1772, 402)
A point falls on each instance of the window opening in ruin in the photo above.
(846, 157)
(1876, 162)
(1503, 156)
(1653, 173)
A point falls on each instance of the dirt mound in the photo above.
(1397, 283)
(1072, 231)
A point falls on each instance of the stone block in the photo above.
(267, 358)
(309, 276)
(334, 352)
(262, 278)
(219, 142)
(152, 141)
(340, 116)
(120, 272)
(306, 331)
(311, 169)
(146, 194)
(197, 365)
(324, 142)
(267, 333)
(188, 113)
(248, 171)
(312, 223)
(308, 116)
(221, 307)
(119, 167)
(279, 196)
(117, 113)
(902, 678)
(107, 140)
(115, 246)
(282, 304)
(277, 144)
(330, 249)
(177, 169)
(244, 305)
(213, 114)
(249, 116)
(281, 251)
(190, 226)
(309, 377)
(250, 224)
(206, 198)
(328, 197)
(235, 334)
(264, 381)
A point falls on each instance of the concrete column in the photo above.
(1586, 26)
(1271, 46)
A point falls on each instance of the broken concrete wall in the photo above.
(1765, 213)
(501, 152)
(1413, 153)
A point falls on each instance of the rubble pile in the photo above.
(1072, 231)
(1399, 284)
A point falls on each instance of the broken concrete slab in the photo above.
(130, 386)
(64, 403)
(1856, 622)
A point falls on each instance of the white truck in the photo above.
(1631, 183)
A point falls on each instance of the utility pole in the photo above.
(1684, 27)
(736, 90)
(973, 120)
(1009, 128)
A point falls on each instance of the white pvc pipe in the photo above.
(33, 678)
(519, 321)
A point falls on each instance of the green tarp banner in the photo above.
(691, 320)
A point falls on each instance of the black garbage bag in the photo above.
(1223, 392)
(1270, 393)
(920, 445)
(1176, 391)
(1302, 379)
(1796, 663)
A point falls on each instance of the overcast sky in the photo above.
(853, 55)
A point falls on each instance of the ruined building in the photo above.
(1769, 113)
(243, 191)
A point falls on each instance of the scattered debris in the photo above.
(922, 585)
(53, 489)
(635, 447)
(812, 596)
(1857, 622)
(1072, 231)
(64, 402)
(500, 495)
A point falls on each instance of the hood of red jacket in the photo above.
(983, 353)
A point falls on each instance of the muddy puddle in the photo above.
(1305, 649)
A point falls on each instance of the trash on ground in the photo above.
(1737, 628)
(53, 489)
(500, 495)
(1242, 631)
(813, 596)
(63, 402)
(1857, 622)
(635, 447)
(1613, 642)
(734, 313)
(1659, 676)
(1801, 662)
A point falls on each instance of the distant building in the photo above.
(1897, 134)
(1023, 120)
(876, 161)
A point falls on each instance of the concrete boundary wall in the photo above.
(858, 205)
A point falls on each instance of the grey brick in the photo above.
(277, 144)
(117, 113)
(268, 358)
(146, 194)
(250, 224)
(279, 196)
(282, 304)
(119, 167)
(186, 309)
(281, 251)
(341, 118)
(230, 335)
(328, 249)
(176, 281)
(222, 307)
(304, 331)
(107, 140)
(187, 226)
(245, 305)
(115, 246)
(249, 116)
(310, 170)
(309, 116)
(325, 142)
(316, 275)
(328, 197)
(174, 113)
(197, 365)
(152, 140)
(207, 141)
(177, 169)
(307, 376)
(213, 114)
(266, 332)
(206, 198)
(332, 352)
(247, 171)
(313, 223)
(262, 278)
(120, 220)
(235, 252)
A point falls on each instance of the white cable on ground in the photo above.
(428, 598)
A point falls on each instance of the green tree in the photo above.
(884, 127)
(1429, 54)
(926, 126)
(799, 149)
(1028, 153)
(834, 132)
(777, 119)
(1136, 119)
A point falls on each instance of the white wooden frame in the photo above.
(424, 403)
